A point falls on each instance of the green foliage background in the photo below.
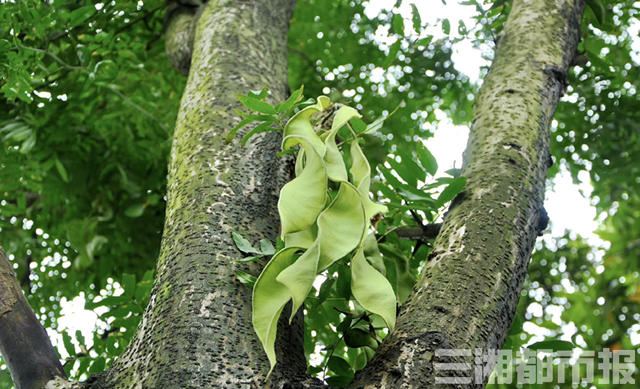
(88, 102)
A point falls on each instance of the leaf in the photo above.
(339, 366)
(377, 124)
(336, 169)
(61, 170)
(128, 284)
(248, 259)
(372, 290)
(361, 173)
(243, 245)
(260, 128)
(68, 344)
(5, 45)
(28, 144)
(134, 211)
(267, 247)
(256, 105)
(357, 337)
(269, 297)
(451, 191)
(80, 15)
(415, 18)
(246, 279)
(497, 3)
(340, 230)
(235, 129)
(427, 160)
(372, 253)
(555, 345)
(260, 95)
(299, 127)
(446, 26)
(598, 10)
(398, 24)
(404, 171)
(325, 290)
(294, 98)
(302, 199)
(393, 53)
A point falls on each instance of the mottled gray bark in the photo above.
(196, 330)
(467, 295)
(24, 344)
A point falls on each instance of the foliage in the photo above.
(89, 102)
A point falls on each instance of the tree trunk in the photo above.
(196, 330)
(467, 295)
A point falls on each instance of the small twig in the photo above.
(134, 21)
(55, 57)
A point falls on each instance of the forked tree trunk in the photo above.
(196, 330)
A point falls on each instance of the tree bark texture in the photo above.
(196, 331)
(467, 294)
(24, 344)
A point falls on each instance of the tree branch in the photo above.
(24, 344)
(430, 231)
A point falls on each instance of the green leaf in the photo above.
(427, 160)
(339, 366)
(68, 344)
(260, 95)
(415, 17)
(260, 128)
(398, 24)
(235, 129)
(128, 284)
(372, 253)
(377, 124)
(555, 345)
(300, 127)
(246, 279)
(336, 169)
(5, 45)
(598, 10)
(302, 199)
(446, 26)
(451, 191)
(134, 211)
(257, 105)
(325, 290)
(248, 259)
(243, 245)
(80, 15)
(61, 170)
(357, 337)
(269, 297)
(267, 247)
(361, 173)
(340, 230)
(294, 98)
(372, 290)
(393, 53)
